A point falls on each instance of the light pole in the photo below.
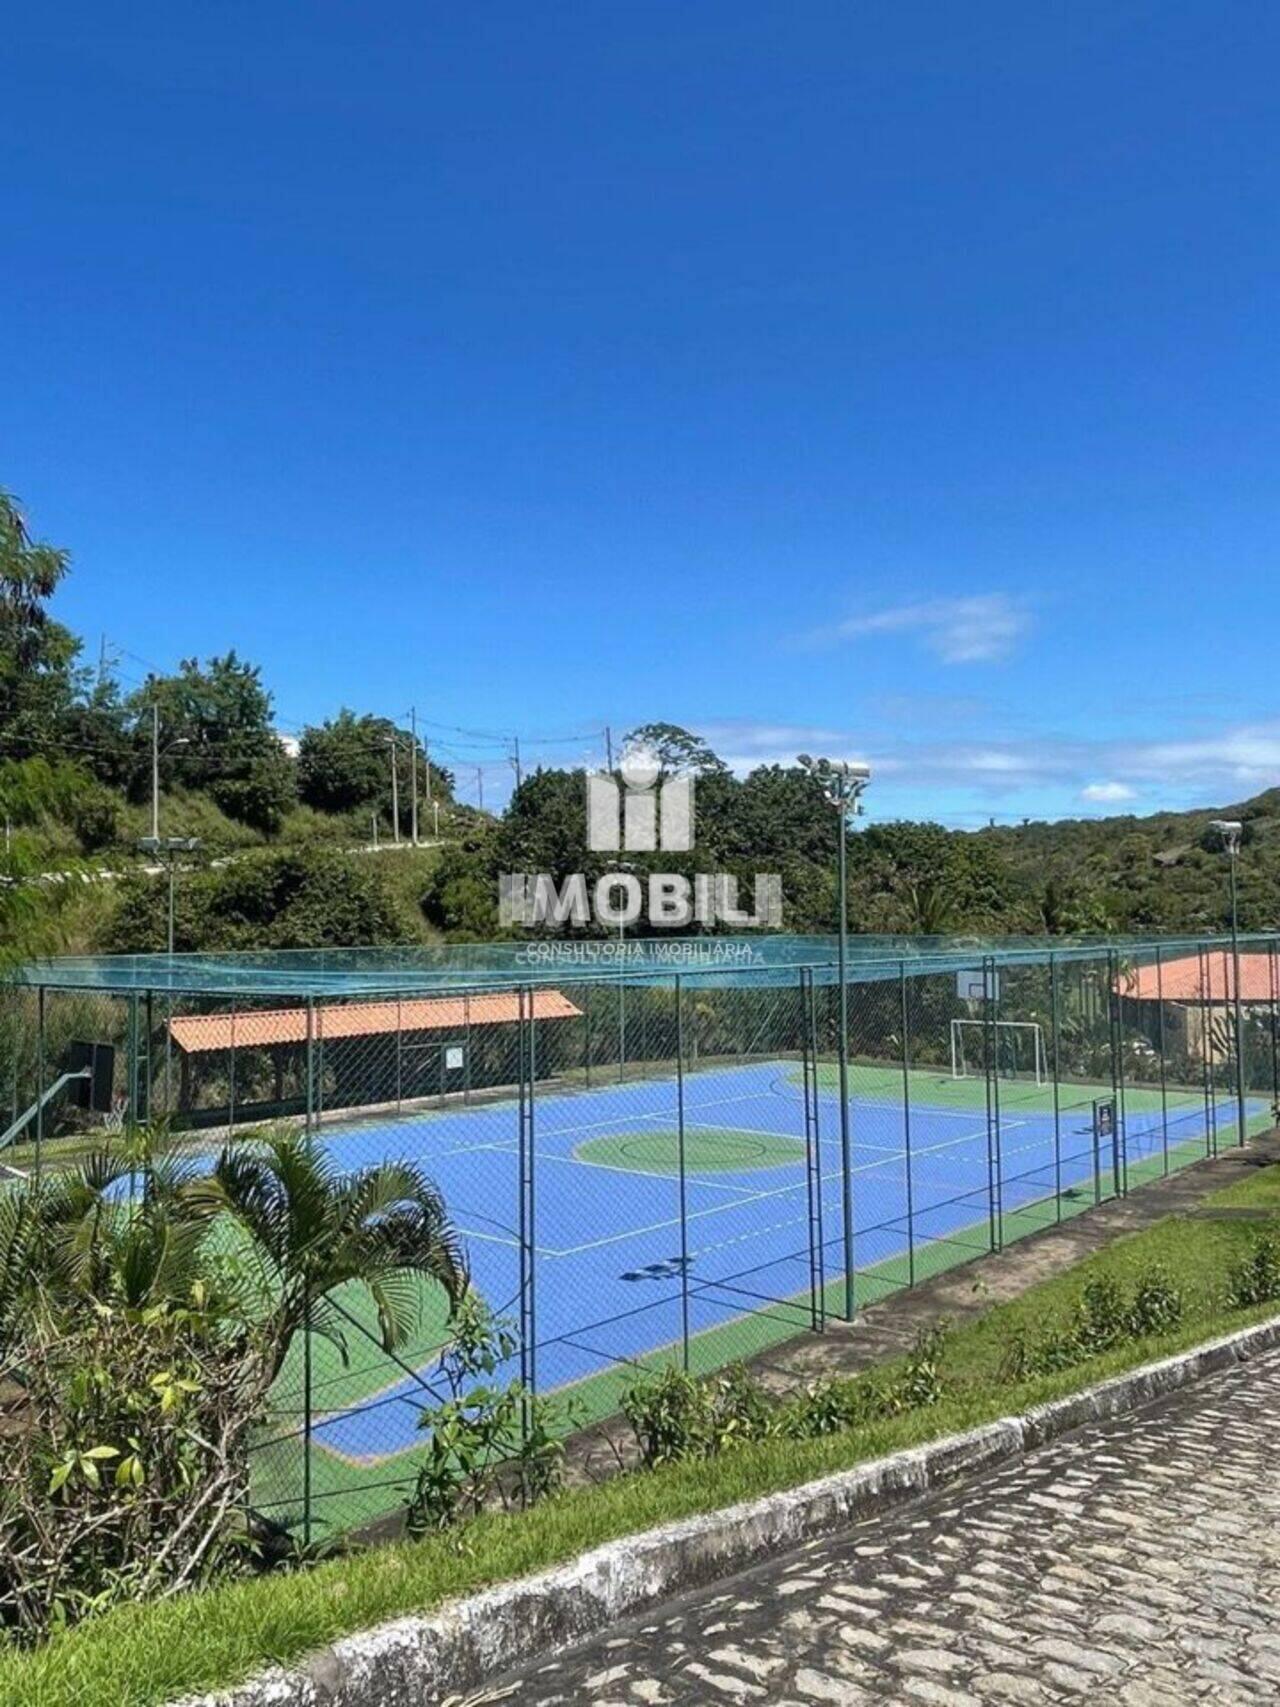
(842, 783)
(395, 792)
(1231, 834)
(169, 847)
(156, 755)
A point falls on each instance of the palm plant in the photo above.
(86, 1235)
(309, 1231)
(278, 1226)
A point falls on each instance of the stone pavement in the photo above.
(1136, 1563)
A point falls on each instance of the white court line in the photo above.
(693, 1177)
(654, 1114)
(761, 1197)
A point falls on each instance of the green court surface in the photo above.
(349, 1490)
(707, 1149)
(934, 1087)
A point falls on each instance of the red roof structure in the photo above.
(250, 1028)
(1196, 978)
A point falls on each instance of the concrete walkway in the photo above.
(1136, 1563)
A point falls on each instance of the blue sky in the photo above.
(890, 379)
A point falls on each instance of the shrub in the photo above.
(1102, 1318)
(1256, 1279)
(1157, 1303)
(833, 1405)
(920, 1382)
(95, 817)
(127, 1461)
(676, 1416)
(487, 1441)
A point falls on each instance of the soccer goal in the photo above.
(1018, 1047)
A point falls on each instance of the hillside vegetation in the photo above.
(284, 829)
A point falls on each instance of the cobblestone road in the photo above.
(1137, 1563)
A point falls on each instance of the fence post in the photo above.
(622, 1016)
(528, 1305)
(846, 1146)
(1207, 1046)
(40, 1074)
(307, 1420)
(1055, 1035)
(1114, 1037)
(684, 1206)
(1164, 1065)
(991, 1056)
(813, 1149)
(231, 1077)
(906, 1123)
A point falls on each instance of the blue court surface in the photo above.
(611, 1267)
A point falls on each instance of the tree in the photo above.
(344, 765)
(37, 655)
(676, 749)
(216, 734)
(925, 880)
(309, 897)
(461, 894)
(315, 1230)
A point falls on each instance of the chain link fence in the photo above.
(650, 1168)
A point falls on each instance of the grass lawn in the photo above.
(144, 1655)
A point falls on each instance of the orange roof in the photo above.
(199, 1034)
(1193, 979)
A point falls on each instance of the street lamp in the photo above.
(842, 783)
(1231, 835)
(169, 847)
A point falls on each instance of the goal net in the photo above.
(1016, 1047)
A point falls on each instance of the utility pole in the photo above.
(608, 748)
(480, 784)
(413, 775)
(435, 807)
(426, 759)
(395, 791)
(515, 757)
(155, 771)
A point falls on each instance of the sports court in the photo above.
(644, 1151)
(627, 1249)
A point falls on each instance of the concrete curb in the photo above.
(425, 1658)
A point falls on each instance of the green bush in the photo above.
(676, 1416)
(1158, 1303)
(487, 1441)
(1256, 1280)
(1102, 1318)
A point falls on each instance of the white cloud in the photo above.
(979, 629)
(1048, 775)
(1107, 791)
